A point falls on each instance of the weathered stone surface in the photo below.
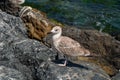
(14, 39)
(10, 74)
(37, 24)
(17, 51)
(9, 7)
(83, 71)
(104, 48)
(18, 67)
(116, 35)
(97, 42)
(117, 77)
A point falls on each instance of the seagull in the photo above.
(66, 45)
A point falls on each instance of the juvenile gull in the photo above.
(66, 45)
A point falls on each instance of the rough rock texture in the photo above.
(104, 48)
(10, 74)
(17, 51)
(98, 43)
(83, 71)
(116, 35)
(37, 24)
(117, 77)
(9, 7)
(30, 58)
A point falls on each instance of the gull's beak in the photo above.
(52, 31)
(49, 32)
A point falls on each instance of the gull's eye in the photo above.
(56, 30)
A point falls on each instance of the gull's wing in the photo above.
(71, 47)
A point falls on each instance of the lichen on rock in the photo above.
(38, 26)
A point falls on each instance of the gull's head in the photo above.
(56, 30)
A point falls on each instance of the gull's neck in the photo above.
(57, 36)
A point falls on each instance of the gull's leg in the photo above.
(65, 63)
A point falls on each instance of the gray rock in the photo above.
(15, 64)
(83, 71)
(17, 51)
(99, 44)
(14, 41)
(116, 77)
(10, 74)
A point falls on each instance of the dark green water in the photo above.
(103, 15)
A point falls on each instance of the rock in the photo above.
(9, 7)
(14, 39)
(10, 74)
(101, 45)
(116, 35)
(116, 77)
(13, 68)
(19, 52)
(38, 26)
(95, 41)
(83, 71)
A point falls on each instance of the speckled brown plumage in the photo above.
(66, 45)
(70, 47)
